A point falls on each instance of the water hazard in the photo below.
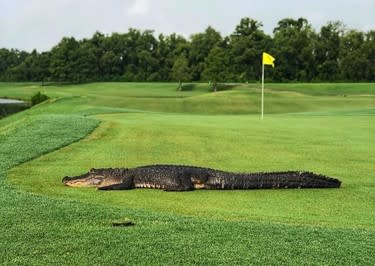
(10, 106)
(10, 101)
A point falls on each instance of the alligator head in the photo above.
(93, 178)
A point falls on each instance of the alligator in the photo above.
(186, 178)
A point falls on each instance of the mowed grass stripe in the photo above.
(48, 132)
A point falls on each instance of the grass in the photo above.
(340, 89)
(47, 223)
(243, 99)
(230, 143)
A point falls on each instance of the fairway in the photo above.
(324, 128)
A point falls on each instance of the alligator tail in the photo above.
(290, 179)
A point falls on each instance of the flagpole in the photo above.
(262, 88)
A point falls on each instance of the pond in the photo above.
(10, 106)
(10, 101)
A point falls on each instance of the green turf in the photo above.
(230, 143)
(47, 223)
(341, 89)
(242, 99)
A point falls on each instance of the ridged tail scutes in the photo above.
(289, 179)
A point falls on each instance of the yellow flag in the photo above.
(268, 59)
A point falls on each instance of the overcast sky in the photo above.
(40, 24)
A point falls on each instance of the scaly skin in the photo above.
(185, 178)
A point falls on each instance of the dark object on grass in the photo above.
(123, 223)
(185, 178)
(38, 98)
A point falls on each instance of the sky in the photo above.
(41, 24)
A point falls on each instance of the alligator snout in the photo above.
(85, 180)
(66, 179)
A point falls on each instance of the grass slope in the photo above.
(243, 99)
(46, 223)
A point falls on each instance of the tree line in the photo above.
(302, 54)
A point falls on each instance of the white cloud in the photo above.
(139, 7)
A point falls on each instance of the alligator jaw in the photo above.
(82, 181)
(198, 186)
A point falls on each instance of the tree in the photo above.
(146, 53)
(111, 65)
(63, 66)
(87, 61)
(201, 45)
(368, 49)
(246, 46)
(113, 58)
(139, 57)
(180, 71)
(327, 51)
(216, 66)
(33, 68)
(163, 53)
(170, 48)
(301, 55)
(294, 50)
(354, 64)
(10, 59)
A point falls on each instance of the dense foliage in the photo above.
(302, 54)
(38, 98)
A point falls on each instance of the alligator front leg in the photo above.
(115, 187)
(126, 183)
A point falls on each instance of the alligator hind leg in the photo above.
(179, 182)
